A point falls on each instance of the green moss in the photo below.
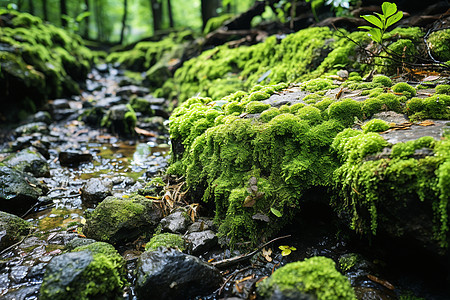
(383, 80)
(311, 114)
(166, 240)
(269, 114)
(406, 89)
(255, 107)
(435, 107)
(318, 84)
(404, 150)
(346, 111)
(348, 261)
(316, 276)
(375, 125)
(438, 42)
(443, 89)
(216, 22)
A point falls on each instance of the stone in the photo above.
(41, 116)
(81, 275)
(77, 242)
(95, 190)
(29, 161)
(201, 241)
(119, 220)
(30, 128)
(170, 274)
(60, 104)
(176, 222)
(132, 90)
(18, 191)
(73, 158)
(12, 228)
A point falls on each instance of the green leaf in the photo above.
(286, 252)
(382, 17)
(365, 27)
(276, 212)
(389, 8)
(373, 20)
(394, 19)
(375, 34)
(283, 247)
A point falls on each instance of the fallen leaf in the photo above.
(83, 221)
(249, 201)
(245, 278)
(276, 212)
(431, 78)
(261, 217)
(267, 253)
(253, 180)
(144, 132)
(426, 123)
(384, 283)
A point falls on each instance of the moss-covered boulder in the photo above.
(38, 61)
(12, 228)
(439, 42)
(166, 240)
(29, 161)
(93, 271)
(117, 220)
(313, 278)
(18, 191)
(120, 119)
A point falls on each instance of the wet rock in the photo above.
(62, 238)
(77, 242)
(29, 161)
(201, 241)
(200, 225)
(109, 101)
(18, 273)
(176, 222)
(23, 292)
(120, 119)
(132, 90)
(80, 275)
(95, 190)
(18, 191)
(41, 116)
(37, 127)
(12, 228)
(117, 220)
(73, 158)
(171, 274)
(60, 104)
(102, 68)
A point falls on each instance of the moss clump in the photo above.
(166, 240)
(12, 228)
(269, 114)
(407, 149)
(383, 80)
(405, 89)
(346, 111)
(318, 84)
(435, 107)
(443, 89)
(255, 107)
(375, 125)
(439, 42)
(316, 276)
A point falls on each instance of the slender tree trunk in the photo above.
(169, 11)
(156, 8)
(124, 20)
(31, 6)
(45, 9)
(209, 10)
(63, 12)
(98, 20)
(86, 20)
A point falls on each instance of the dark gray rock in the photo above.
(77, 242)
(201, 241)
(176, 222)
(60, 104)
(109, 101)
(18, 191)
(12, 228)
(62, 238)
(41, 116)
(117, 120)
(132, 90)
(170, 274)
(29, 161)
(39, 127)
(18, 273)
(95, 190)
(73, 158)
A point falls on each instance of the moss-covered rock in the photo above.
(38, 61)
(12, 228)
(166, 240)
(315, 277)
(120, 119)
(117, 220)
(439, 42)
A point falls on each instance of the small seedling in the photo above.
(286, 250)
(389, 17)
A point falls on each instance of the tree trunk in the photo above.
(124, 20)
(169, 11)
(45, 9)
(209, 10)
(86, 20)
(98, 20)
(63, 12)
(156, 8)
(31, 6)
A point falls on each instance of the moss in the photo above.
(348, 261)
(269, 114)
(375, 125)
(438, 42)
(216, 22)
(383, 80)
(142, 106)
(443, 89)
(166, 240)
(435, 107)
(318, 84)
(255, 107)
(346, 111)
(311, 114)
(403, 87)
(398, 52)
(316, 276)
(407, 149)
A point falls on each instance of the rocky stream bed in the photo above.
(59, 166)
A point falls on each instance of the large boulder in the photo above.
(117, 220)
(29, 161)
(18, 191)
(313, 278)
(93, 272)
(170, 274)
(11, 229)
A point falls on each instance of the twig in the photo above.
(18, 243)
(237, 259)
(230, 277)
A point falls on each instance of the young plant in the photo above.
(389, 17)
